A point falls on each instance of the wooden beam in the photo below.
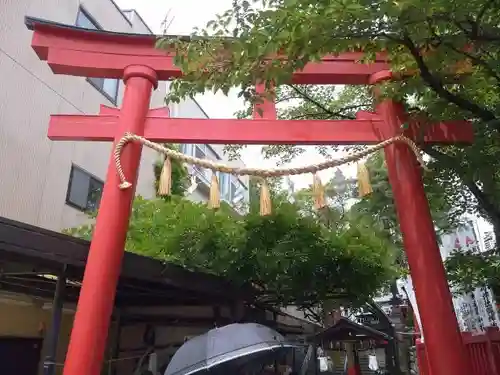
(36, 286)
(124, 302)
(97, 53)
(167, 319)
(242, 131)
(98, 64)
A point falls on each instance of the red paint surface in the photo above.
(445, 351)
(483, 350)
(265, 110)
(95, 305)
(242, 131)
(93, 54)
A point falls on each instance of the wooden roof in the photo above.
(347, 330)
(31, 258)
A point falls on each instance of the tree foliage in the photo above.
(288, 254)
(380, 204)
(179, 176)
(291, 256)
(439, 40)
(447, 50)
(468, 270)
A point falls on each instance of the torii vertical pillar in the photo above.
(445, 350)
(95, 305)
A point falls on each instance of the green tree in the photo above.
(451, 48)
(468, 270)
(179, 176)
(436, 40)
(275, 189)
(295, 259)
(426, 38)
(291, 256)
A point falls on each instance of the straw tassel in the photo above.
(214, 201)
(364, 185)
(165, 184)
(318, 192)
(265, 199)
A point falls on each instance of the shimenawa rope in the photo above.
(257, 172)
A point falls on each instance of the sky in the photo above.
(185, 15)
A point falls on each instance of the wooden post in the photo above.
(52, 338)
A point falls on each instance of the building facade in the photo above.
(489, 241)
(475, 310)
(233, 189)
(52, 184)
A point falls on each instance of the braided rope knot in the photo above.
(257, 172)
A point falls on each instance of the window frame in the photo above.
(95, 85)
(200, 171)
(94, 81)
(209, 154)
(225, 184)
(91, 178)
(86, 13)
(237, 183)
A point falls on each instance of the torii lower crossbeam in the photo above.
(160, 128)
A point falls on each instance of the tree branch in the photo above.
(477, 60)
(324, 108)
(484, 201)
(474, 58)
(309, 313)
(487, 5)
(437, 85)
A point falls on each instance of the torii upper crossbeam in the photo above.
(79, 52)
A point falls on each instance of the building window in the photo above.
(106, 86)
(237, 191)
(202, 152)
(186, 148)
(232, 189)
(84, 190)
(224, 179)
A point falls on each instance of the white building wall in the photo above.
(34, 170)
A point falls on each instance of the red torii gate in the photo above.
(91, 53)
